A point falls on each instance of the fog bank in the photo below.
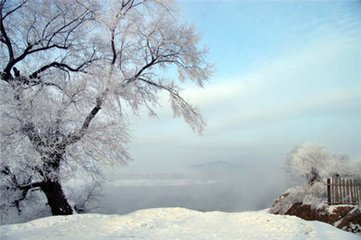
(215, 186)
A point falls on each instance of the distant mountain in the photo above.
(217, 169)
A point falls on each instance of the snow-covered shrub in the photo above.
(315, 195)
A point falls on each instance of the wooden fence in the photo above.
(343, 191)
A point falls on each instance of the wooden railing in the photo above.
(343, 191)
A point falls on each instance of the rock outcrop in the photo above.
(346, 217)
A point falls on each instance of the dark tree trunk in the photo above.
(56, 199)
(52, 188)
(314, 176)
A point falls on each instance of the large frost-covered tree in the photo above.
(70, 70)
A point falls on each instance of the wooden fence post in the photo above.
(358, 191)
(347, 193)
(329, 191)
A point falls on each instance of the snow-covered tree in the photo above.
(307, 160)
(70, 72)
(314, 162)
(355, 168)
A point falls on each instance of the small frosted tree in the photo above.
(313, 162)
(307, 161)
(70, 70)
(355, 168)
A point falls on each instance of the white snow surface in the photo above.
(174, 223)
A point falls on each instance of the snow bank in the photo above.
(174, 223)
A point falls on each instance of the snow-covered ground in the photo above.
(175, 223)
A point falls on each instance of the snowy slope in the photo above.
(174, 223)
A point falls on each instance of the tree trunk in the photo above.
(56, 199)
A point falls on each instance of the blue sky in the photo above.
(287, 72)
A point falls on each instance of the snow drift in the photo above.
(174, 223)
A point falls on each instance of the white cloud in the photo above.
(322, 78)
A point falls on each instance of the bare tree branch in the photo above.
(11, 11)
(45, 41)
(6, 40)
(61, 66)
